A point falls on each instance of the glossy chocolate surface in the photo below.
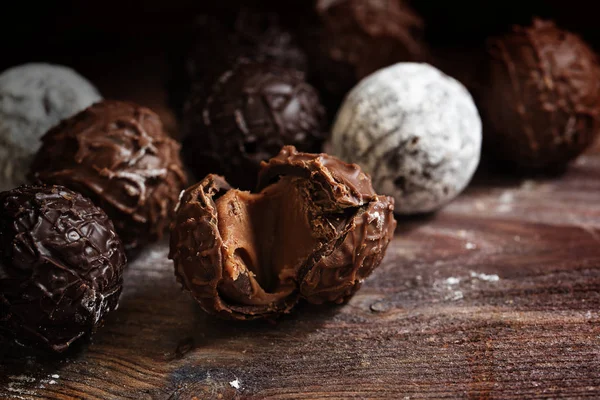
(315, 229)
(119, 155)
(249, 113)
(61, 265)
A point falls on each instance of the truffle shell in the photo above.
(331, 217)
(117, 154)
(541, 105)
(61, 265)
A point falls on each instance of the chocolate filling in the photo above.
(315, 229)
(268, 237)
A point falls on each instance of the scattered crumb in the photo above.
(485, 277)
(528, 185)
(504, 208)
(517, 238)
(18, 385)
(480, 205)
(470, 246)
(55, 376)
(52, 382)
(235, 383)
(21, 378)
(507, 197)
(506, 201)
(453, 281)
(456, 295)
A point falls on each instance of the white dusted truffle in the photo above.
(33, 98)
(415, 130)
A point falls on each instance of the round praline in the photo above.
(61, 266)
(246, 116)
(415, 130)
(119, 155)
(541, 103)
(33, 98)
(358, 37)
(314, 229)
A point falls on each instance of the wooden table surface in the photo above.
(496, 296)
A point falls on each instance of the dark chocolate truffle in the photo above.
(246, 117)
(61, 266)
(358, 37)
(256, 36)
(541, 106)
(314, 229)
(119, 155)
(218, 44)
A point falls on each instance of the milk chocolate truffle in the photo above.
(249, 113)
(542, 101)
(118, 155)
(314, 229)
(415, 130)
(61, 266)
(33, 98)
(358, 37)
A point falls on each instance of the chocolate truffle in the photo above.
(34, 98)
(256, 36)
(541, 105)
(415, 130)
(61, 266)
(118, 155)
(358, 37)
(314, 229)
(218, 44)
(249, 113)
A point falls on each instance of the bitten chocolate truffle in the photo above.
(358, 37)
(61, 266)
(34, 98)
(249, 113)
(415, 130)
(541, 105)
(118, 155)
(314, 229)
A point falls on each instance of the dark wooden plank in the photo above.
(497, 296)
(477, 301)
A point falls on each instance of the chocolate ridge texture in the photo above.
(314, 229)
(249, 113)
(416, 130)
(118, 154)
(541, 106)
(61, 266)
(359, 37)
(218, 42)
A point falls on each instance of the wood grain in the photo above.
(497, 296)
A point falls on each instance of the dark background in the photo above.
(111, 41)
(71, 31)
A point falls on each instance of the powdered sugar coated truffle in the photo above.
(33, 98)
(415, 130)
